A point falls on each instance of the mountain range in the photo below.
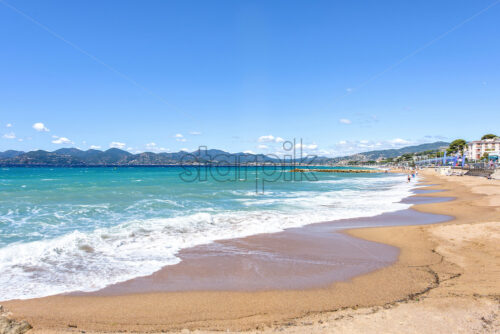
(393, 153)
(73, 157)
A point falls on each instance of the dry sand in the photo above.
(446, 280)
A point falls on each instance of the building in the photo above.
(477, 149)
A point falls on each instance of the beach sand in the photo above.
(445, 280)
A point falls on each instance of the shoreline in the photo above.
(415, 273)
(307, 257)
(157, 241)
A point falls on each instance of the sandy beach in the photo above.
(249, 167)
(443, 279)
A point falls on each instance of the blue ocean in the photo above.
(81, 229)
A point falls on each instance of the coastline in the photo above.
(307, 257)
(420, 269)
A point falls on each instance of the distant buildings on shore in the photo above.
(478, 149)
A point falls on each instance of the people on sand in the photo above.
(409, 178)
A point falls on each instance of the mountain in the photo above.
(393, 153)
(41, 157)
(74, 152)
(113, 156)
(10, 154)
(116, 157)
(73, 157)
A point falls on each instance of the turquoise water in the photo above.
(67, 229)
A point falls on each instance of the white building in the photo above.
(476, 149)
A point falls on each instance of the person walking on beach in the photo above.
(409, 178)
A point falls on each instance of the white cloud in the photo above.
(345, 121)
(349, 90)
(20, 139)
(195, 133)
(117, 144)
(266, 139)
(95, 147)
(263, 147)
(180, 137)
(342, 142)
(399, 141)
(40, 127)
(151, 145)
(9, 125)
(62, 140)
(270, 139)
(10, 135)
(249, 152)
(184, 150)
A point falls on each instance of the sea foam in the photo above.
(90, 260)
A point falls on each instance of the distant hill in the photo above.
(393, 153)
(10, 154)
(73, 157)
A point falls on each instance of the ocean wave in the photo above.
(90, 260)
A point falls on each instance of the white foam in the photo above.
(93, 260)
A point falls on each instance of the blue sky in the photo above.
(345, 76)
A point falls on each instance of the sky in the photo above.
(244, 76)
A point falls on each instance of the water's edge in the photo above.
(310, 256)
(160, 220)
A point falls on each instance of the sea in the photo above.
(82, 229)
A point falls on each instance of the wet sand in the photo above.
(313, 256)
(284, 280)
